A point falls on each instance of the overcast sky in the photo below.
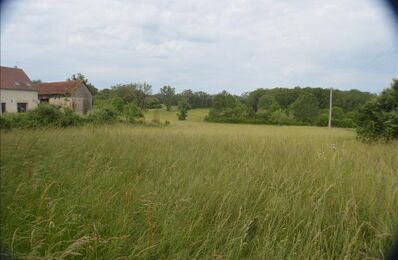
(236, 45)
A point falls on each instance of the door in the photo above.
(3, 107)
(21, 107)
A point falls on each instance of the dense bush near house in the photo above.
(102, 116)
(69, 118)
(43, 115)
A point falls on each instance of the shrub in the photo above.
(13, 120)
(118, 104)
(378, 118)
(132, 113)
(102, 116)
(69, 118)
(183, 109)
(43, 115)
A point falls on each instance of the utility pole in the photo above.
(330, 108)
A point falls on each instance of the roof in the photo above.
(52, 88)
(14, 78)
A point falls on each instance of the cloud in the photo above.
(204, 45)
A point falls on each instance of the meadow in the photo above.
(196, 190)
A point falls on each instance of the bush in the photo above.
(13, 120)
(378, 118)
(102, 116)
(132, 113)
(118, 104)
(69, 118)
(183, 109)
(43, 115)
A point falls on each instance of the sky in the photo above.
(207, 45)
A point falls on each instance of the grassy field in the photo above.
(196, 190)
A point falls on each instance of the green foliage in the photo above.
(43, 115)
(102, 116)
(306, 108)
(378, 118)
(339, 118)
(118, 104)
(280, 117)
(268, 104)
(152, 102)
(167, 94)
(226, 108)
(182, 109)
(69, 118)
(36, 81)
(132, 113)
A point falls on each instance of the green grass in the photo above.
(196, 190)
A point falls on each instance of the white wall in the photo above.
(12, 97)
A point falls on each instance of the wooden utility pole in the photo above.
(330, 108)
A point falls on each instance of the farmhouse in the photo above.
(73, 94)
(16, 92)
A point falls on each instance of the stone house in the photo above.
(16, 92)
(73, 94)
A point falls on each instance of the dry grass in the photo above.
(196, 190)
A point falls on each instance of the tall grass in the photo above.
(197, 190)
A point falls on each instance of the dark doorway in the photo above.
(3, 107)
(21, 107)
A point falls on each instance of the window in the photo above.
(21, 107)
(17, 83)
(3, 107)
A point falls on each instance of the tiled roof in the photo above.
(14, 78)
(63, 87)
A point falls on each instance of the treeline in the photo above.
(283, 106)
(141, 95)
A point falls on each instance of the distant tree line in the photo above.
(284, 106)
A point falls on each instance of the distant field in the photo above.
(196, 190)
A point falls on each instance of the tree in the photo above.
(378, 118)
(201, 99)
(128, 92)
(142, 92)
(183, 109)
(268, 104)
(187, 95)
(91, 87)
(36, 81)
(167, 93)
(306, 108)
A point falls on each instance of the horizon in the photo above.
(237, 47)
